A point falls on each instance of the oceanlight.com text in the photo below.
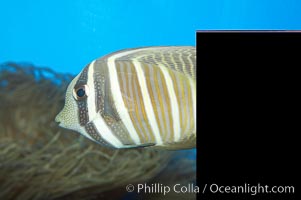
(248, 189)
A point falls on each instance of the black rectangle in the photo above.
(248, 108)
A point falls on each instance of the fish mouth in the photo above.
(59, 124)
(57, 120)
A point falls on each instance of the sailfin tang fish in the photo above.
(143, 97)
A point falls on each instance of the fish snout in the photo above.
(58, 118)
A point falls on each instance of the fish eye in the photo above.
(81, 92)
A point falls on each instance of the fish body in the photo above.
(136, 98)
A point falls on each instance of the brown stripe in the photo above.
(83, 78)
(128, 85)
(91, 130)
(99, 84)
(83, 114)
(140, 112)
(143, 117)
(190, 105)
(118, 130)
(159, 92)
(100, 72)
(150, 75)
(106, 105)
(166, 98)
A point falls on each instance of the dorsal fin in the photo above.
(178, 58)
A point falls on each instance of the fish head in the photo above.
(80, 95)
(68, 116)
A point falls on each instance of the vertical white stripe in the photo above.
(193, 91)
(147, 102)
(117, 98)
(83, 131)
(106, 132)
(174, 103)
(98, 121)
(91, 98)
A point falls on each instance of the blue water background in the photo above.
(65, 35)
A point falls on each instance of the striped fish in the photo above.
(136, 98)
